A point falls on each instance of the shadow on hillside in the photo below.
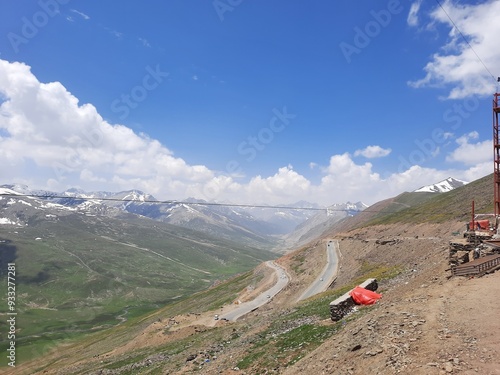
(7, 255)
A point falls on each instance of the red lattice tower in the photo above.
(496, 152)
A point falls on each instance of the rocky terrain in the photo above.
(426, 322)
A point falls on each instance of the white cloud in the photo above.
(457, 64)
(195, 78)
(412, 19)
(371, 152)
(282, 187)
(50, 140)
(81, 14)
(47, 126)
(471, 153)
(113, 32)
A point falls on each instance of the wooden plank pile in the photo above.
(477, 267)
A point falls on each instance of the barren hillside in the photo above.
(425, 323)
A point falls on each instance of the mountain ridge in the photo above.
(443, 186)
(257, 226)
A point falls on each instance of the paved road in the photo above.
(322, 282)
(263, 298)
(329, 273)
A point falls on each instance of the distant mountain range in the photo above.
(254, 226)
(441, 187)
(268, 228)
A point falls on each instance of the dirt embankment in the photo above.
(425, 323)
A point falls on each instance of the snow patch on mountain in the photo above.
(442, 187)
(7, 221)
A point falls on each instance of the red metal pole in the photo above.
(473, 221)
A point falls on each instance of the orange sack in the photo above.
(362, 296)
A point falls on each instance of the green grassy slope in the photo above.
(88, 273)
(411, 207)
(438, 208)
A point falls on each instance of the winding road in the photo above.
(322, 282)
(263, 298)
(329, 273)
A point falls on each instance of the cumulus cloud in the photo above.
(345, 180)
(457, 64)
(412, 18)
(47, 126)
(48, 139)
(470, 153)
(371, 152)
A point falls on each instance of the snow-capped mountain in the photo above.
(21, 206)
(442, 187)
(256, 226)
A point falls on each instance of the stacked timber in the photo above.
(478, 267)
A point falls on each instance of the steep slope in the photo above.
(78, 271)
(225, 222)
(283, 221)
(419, 207)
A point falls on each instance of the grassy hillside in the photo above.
(84, 273)
(276, 341)
(441, 207)
(425, 207)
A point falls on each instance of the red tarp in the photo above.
(362, 296)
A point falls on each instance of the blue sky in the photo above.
(247, 101)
